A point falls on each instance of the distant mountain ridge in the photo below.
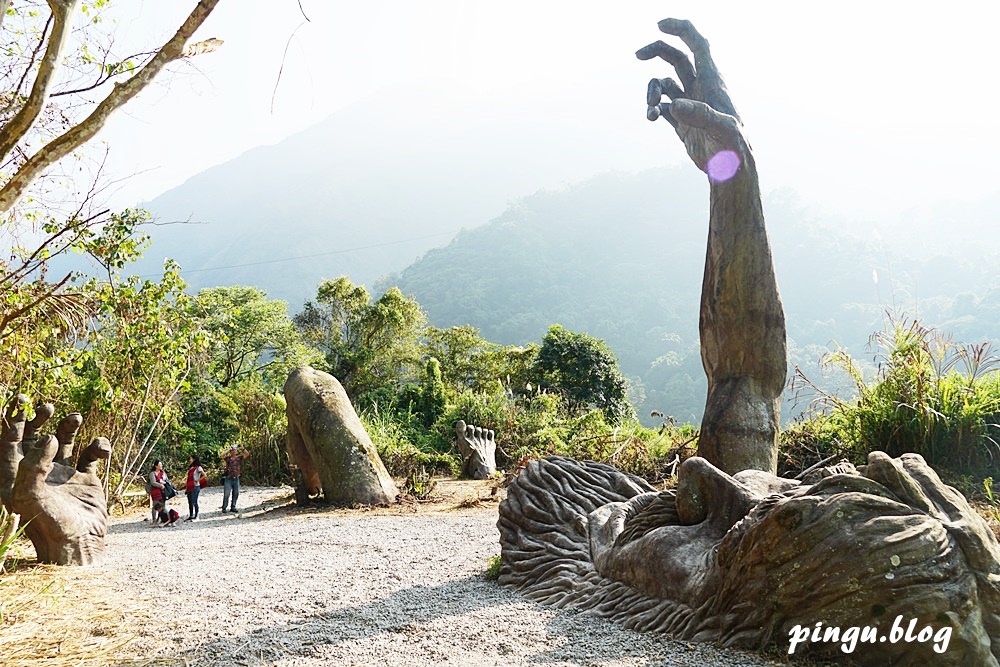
(621, 257)
(372, 188)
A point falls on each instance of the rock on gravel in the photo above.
(280, 585)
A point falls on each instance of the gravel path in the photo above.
(278, 585)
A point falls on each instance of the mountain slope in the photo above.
(377, 184)
(621, 256)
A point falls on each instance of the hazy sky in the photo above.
(873, 107)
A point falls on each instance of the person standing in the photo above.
(192, 487)
(157, 482)
(233, 461)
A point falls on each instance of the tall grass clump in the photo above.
(405, 447)
(10, 530)
(930, 396)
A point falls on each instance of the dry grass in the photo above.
(990, 513)
(56, 616)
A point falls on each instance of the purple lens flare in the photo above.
(722, 166)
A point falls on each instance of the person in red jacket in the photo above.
(157, 482)
(192, 487)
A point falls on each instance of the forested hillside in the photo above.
(620, 257)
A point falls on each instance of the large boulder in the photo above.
(330, 446)
(754, 560)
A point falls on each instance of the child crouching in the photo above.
(164, 516)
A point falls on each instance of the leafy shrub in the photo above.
(930, 396)
(262, 426)
(493, 565)
(401, 448)
(10, 531)
(418, 483)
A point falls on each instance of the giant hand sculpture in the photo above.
(64, 507)
(741, 323)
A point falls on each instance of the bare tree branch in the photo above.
(18, 126)
(284, 56)
(104, 76)
(15, 91)
(122, 92)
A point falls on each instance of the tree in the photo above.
(50, 105)
(459, 350)
(469, 361)
(140, 353)
(742, 324)
(247, 332)
(367, 344)
(26, 105)
(584, 370)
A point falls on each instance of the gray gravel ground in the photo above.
(278, 585)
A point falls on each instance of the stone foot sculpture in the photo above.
(750, 560)
(63, 508)
(330, 446)
(478, 447)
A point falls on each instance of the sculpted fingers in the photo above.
(13, 422)
(658, 88)
(10, 445)
(701, 80)
(99, 449)
(43, 412)
(37, 464)
(680, 61)
(65, 434)
(695, 42)
(889, 472)
(655, 91)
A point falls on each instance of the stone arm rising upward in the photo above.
(741, 322)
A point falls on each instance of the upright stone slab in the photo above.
(330, 446)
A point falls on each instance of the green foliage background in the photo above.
(582, 351)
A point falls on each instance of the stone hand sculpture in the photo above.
(329, 445)
(478, 448)
(64, 506)
(742, 560)
(741, 323)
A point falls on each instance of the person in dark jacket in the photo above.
(233, 461)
